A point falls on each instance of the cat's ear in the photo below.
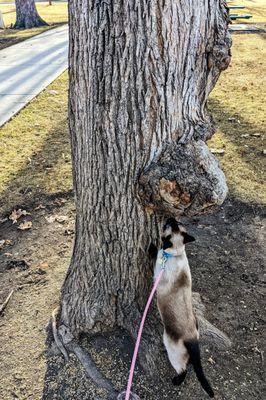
(188, 238)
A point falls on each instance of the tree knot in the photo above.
(183, 179)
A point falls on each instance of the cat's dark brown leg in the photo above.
(179, 379)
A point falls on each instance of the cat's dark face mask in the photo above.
(174, 233)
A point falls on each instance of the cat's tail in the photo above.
(194, 358)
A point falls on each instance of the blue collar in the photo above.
(167, 255)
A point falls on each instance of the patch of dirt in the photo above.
(34, 264)
(227, 268)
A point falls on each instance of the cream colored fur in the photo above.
(179, 302)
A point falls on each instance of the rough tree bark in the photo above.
(27, 15)
(140, 75)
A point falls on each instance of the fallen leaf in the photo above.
(43, 265)
(50, 219)
(39, 207)
(211, 360)
(58, 218)
(25, 226)
(69, 232)
(256, 134)
(16, 214)
(185, 198)
(8, 255)
(217, 151)
(61, 218)
(53, 92)
(6, 242)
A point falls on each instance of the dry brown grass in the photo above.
(34, 152)
(240, 94)
(257, 8)
(40, 163)
(55, 15)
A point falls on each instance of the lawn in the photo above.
(40, 165)
(238, 105)
(55, 15)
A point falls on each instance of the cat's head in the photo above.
(174, 235)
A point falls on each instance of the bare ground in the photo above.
(227, 268)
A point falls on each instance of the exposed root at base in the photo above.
(56, 336)
(68, 343)
(92, 371)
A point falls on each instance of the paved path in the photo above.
(30, 66)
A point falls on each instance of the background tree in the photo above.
(27, 15)
(140, 75)
(2, 24)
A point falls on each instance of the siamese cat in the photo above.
(174, 299)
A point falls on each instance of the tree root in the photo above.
(92, 371)
(151, 350)
(56, 337)
(209, 334)
(67, 342)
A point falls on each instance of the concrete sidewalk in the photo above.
(29, 67)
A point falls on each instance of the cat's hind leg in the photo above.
(179, 379)
(178, 357)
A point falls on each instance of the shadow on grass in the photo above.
(47, 173)
(247, 137)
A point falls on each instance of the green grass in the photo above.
(55, 15)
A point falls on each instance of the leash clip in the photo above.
(163, 262)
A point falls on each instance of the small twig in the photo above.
(3, 306)
(56, 337)
(261, 353)
(262, 356)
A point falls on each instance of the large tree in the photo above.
(140, 75)
(27, 15)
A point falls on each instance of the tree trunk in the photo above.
(140, 75)
(27, 15)
(2, 24)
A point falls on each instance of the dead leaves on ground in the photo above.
(5, 242)
(57, 218)
(25, 226)
(16, 214)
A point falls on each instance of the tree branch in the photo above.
(3, 306)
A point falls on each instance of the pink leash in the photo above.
(133, 362)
